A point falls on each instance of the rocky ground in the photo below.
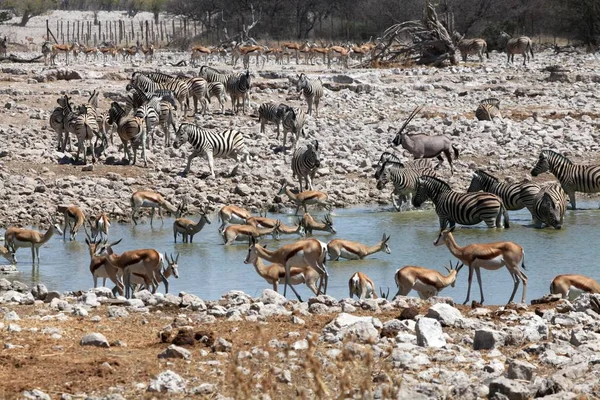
(360, 113)
(156, 346)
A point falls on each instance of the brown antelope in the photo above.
(99, 225)
(295, 47)
(62, 49)
(302, 253)
(73, 219)
(355, 251)
(90, 52)
(264, 222)
(232, 215)
(109, 51)
(563, 284)
(15, 238)
(362, 286)
(8, 254)
(323, 51)
(426, 282)
(188, 228)
(246, 51)
(242, 232)
(98, 264)
(341, 53)
(147, 198)
(310, 225)
(275, 274)
(491, 256)
(277, 53)
(305, 198)
(197, 52)
(148, 53)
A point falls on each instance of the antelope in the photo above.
(323, 51)
(147, 198)
(355, 251)
(8, 254)
(264, 222)
(275, 274)
(98, 265)
(426, 282)
(362, 286)
(73, 219)
(341, 53)
(241, 232)
(90, 51)
(187, 228)
(99, 225)
(233, 215)
(310, 225)
(15, 238)
(62, 49)
(291, 46)
(302, 253)
(425, 146)
(563, 284)
(198, 51)
(139, 278)
(491, 256)
(305, 198)
(148, 53)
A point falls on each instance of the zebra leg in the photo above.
(189, 164)
(572, 199)
(309, 100)
(317, 99)
(144, 148)
(209, 156)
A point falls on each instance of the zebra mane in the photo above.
(554, 154)
(210, 69)
(482, 174)
(491, 101)
(392, 163)
(386, 154)
(437, 181)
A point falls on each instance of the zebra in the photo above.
(312, 91)
(57, 123)
(238, 88)
(85, 127)
(403, 178)
(47, 53)
(548, 206)
(520, 45)
(179, 87)
(572, 177)
(197, 88)
(305, 161)
(68, 118)
(488, 109)
(515, 196)
(463, 208)
(293, 121)
(216, 89)
(214, 75)
(131, 130)
(163, 102)
(106, 128)
(211, 143)
(148, 113)
(270, 112)
(469, 47)
(414, 164)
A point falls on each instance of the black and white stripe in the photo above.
(214, 75)
(305, 161)
(572, 177)
(271, 113)
(488, 109)
(293, 121)
(131, 130)
(147, 84)
(148, 112)
(515, 196)
(548, 206)
(212, 143)
(424, 163)
(520, 45)
(216, 89)
(463, 208)
(470, 47)
(238, 88)
(312, 91)
(404, 179)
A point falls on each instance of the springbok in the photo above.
(354, 250)
(8, 254)
(98, 265)
(305, 198)
(310, 225)
(187, 227)
(147, 198)
(491, 256)
(426, 282)
(302, 253)
(73, 219)
(275, 274)
(425, 146)
(362, 286)
(99, 225)
(243, 232)
(232, 215)
(62, 49)
(264, 222)
(563, 284)
(15, 238)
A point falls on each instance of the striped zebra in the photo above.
(305, 161)
(212, 144)
(216, 89)
(214, 75)
(520, 45)
(548, 206)
(131, 130)
(149, 114)
(68, 114)
(271, 113)
(424, 163)
(470, 47)
(57, 123)
(238, 88)
(164, 115)
(85, 127)
(463, 208)
(106, 128)
(293, 121)
(404, 179)
(515, 196)
(154, 81)
(572, 177)
(312, 91)
(488, 109)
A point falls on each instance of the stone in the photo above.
(134, 303)
(174, 351)
(94, 339)
(300, 345)
(19, 287)
(487, 339)
(204, 389)
(362, 329)
(117, 312)
(11, 316)
(513, 390)
(270, 296)
(445, 313)
(51, 295)
(222, 345)
(520, 370)
(89, 299)
(39, 291)
(36, 394)
(167, 382)
(192, 302)
(408, 313)
(145, 296)
(429, 333)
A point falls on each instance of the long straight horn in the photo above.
(176, 258)
(410, 117)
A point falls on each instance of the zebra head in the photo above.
(428, 187)
(543, 165)
(550, 211)
(302, 81)
(384, 175)
(182, 136)
(313, 154)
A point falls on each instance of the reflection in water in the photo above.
(209, 269)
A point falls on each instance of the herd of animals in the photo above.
(151, 105)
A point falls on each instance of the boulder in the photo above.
(94, 339)
(487, 339)
(429, 333)
(520, 370)
(167, 382)
(362, 329)
(174, 351)
(513, 390)
(445, 313)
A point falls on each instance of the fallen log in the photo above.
(15, 59)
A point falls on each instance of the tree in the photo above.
(28, 9)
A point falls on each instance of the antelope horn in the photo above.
(410, 117)
(177, 258)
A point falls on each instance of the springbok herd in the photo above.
(152, 103)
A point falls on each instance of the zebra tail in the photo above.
(487, 53)
(455, 151)
(531, 50)
(505, 214)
